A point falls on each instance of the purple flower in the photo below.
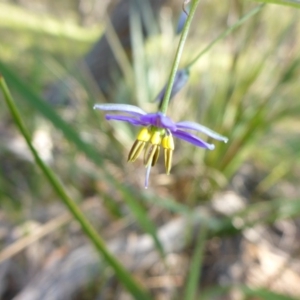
(158, 130)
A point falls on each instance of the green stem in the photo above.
(88, 150)
(226, 33)
(124, 276)
(192, 285)
(174, 68)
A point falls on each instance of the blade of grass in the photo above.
(195, 267)
(47, 111)
(137, 45)
(277, 173)
(213, 292)
(218, 114)
(259, 120)
(226, 33)
(148, 16)
(168, 204)
(264, 294)
(125, 277)
(119, 53)
(14, 17)
(293, 3)
(73, 137)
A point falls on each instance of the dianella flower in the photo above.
(157, 132)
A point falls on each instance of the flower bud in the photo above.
(180, 81)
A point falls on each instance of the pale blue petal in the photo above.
(131, 109)
(193, 139)
(128, 119)
(198, 127)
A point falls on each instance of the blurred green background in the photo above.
(224, 224)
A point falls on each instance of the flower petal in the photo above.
(201, 128)
(131, 109)
(128, 119)
(190, 138)
(158, 120)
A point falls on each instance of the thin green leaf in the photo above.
(226, 33)
(137, 46)
(168, 204)
(293, 3)
(12, 16)
(263, 294)
(195, 267)
(73, 137)
(125, 277)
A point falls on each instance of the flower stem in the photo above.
(226, 33)
(125, 277)
(165, 101)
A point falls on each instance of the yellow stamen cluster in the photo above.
(154, 138)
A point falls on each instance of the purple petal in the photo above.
(201, 128)
(131, 109)
(158, 120)
(190, 138)
(128, 119)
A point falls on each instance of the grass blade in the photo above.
(293, 3)
(195, 267)
(262, 294)
(225, 33)
(73, 137)
(124, 276)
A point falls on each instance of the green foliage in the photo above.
(261, 294)
(123, 275)
(293, 3)
(244, 84)
(195, 267)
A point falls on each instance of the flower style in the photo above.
(157, 130)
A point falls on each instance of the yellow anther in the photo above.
(135, 150)
(168, 160)
(144, 135)
(168, 145)
(155, 156)
(168, 142)
(150, 151)
(153, 140)
(156, 138)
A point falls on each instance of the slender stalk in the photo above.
(192, 285)
(88, 150)
(165, 101)
(293, 3)
(226, 33)
(124, 276)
